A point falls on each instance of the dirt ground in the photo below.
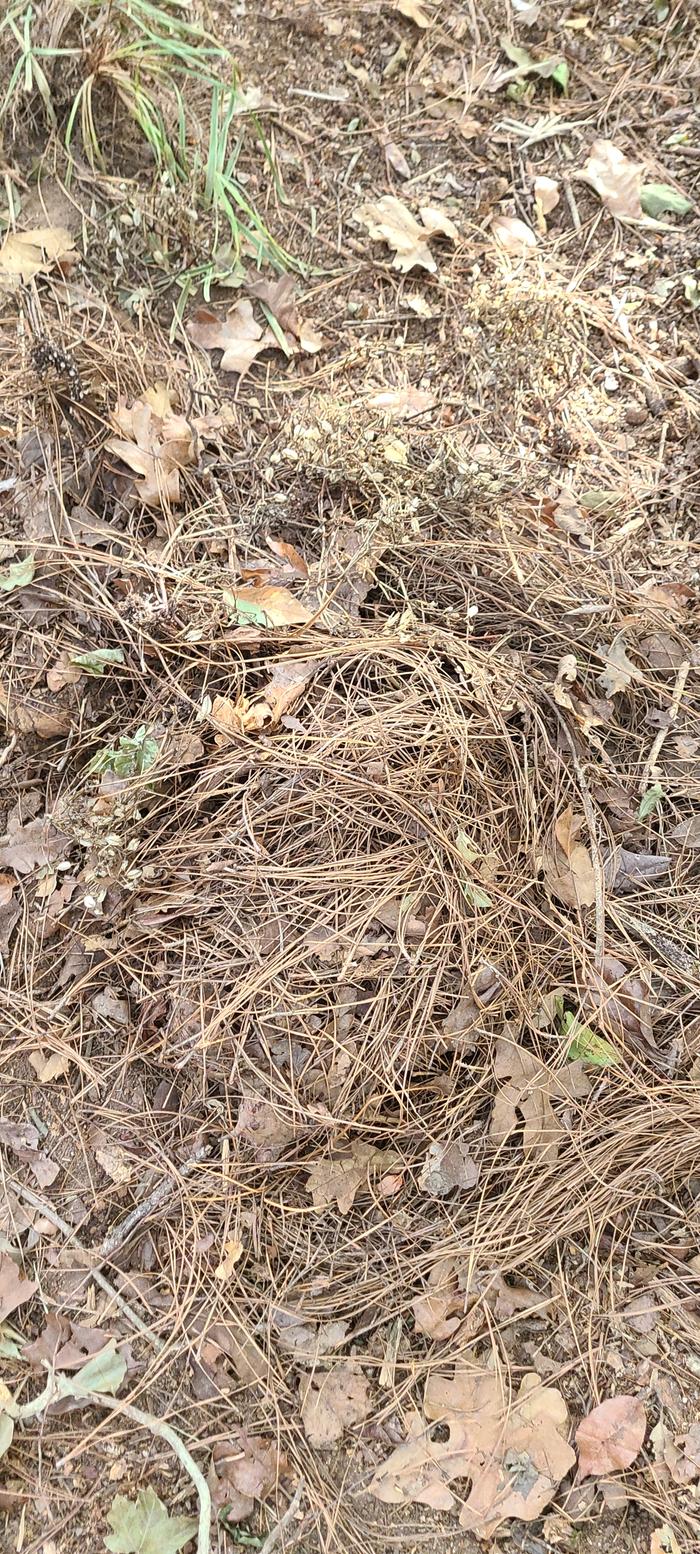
(350, 1026)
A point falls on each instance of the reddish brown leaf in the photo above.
(287, 552)
(611, 1436)
(15, 1290)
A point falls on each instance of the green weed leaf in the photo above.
(95, 662)
(105, 1372)
(144, 1526)
(553, 69)
(658, 198)
(651, 801)
(18, 575)
(586, 1045)
(134, 754)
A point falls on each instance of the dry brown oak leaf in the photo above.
(514, 1452)
(330, 1404)
(527, 1091)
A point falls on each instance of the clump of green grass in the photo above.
(159, 66)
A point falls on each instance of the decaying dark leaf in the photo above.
(243, 1469)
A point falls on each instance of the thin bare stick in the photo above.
(160, 1195)
(90, 1273)
(673, 710)
(275, 1535)
(586, 800)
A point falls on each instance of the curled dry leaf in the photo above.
(487, 985)
(390, 221)
(26, 254)
(238, 335)
(547, 194)
(619, 671)
(616, 179)
(244, 1469)
(250, 714)
(157, 444)
(620, 1000)
(611, 1436)
(512, 234)
(267, 606)
(446, 1167)
(287, 552)
(332, 1403)
(513, 1453)
(396, 159)
(568, 867)
(15, 1290)
(339, 1180)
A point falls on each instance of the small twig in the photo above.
(160, 1194)
(673, 710)
(586, 800)
(274, 1536)
(90, 1273)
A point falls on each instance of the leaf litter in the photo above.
(353, 939)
